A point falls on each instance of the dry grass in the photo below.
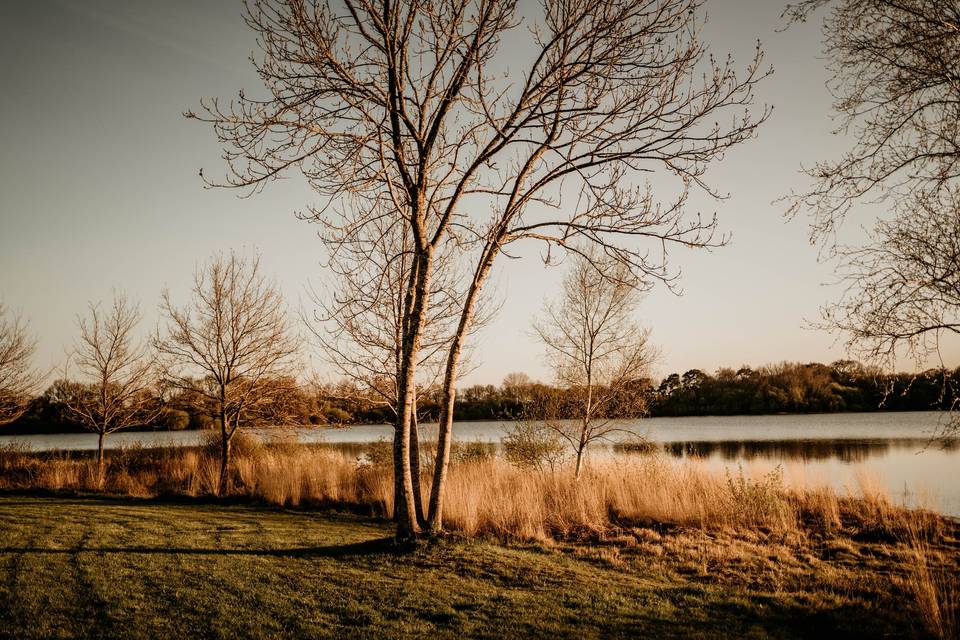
(935, 584)
(486, 495)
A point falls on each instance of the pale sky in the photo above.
(99, 187)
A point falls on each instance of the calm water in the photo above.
(889, 451)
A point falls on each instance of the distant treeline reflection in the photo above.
(798, 450)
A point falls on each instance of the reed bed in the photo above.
(488, 496)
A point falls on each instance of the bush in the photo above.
(336, 415)
(471, 452)
(533, 445)
(201, 421)
(379, 454)
(242, 445)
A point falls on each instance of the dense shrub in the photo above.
(467, 452)
(532, 445)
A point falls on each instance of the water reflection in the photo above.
(846, 451)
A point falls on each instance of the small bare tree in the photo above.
(117, 384)
(231, 347)
(598, 353)
(18, 381)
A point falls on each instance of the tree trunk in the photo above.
(415, 467)
(101, 462)
(587, 418)
(415, 472)
(224, 484)
(448, 401)
(405, 511)
(397, 479)
(225, 445)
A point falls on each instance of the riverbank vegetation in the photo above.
(753, 538)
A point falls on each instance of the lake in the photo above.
(850, 451)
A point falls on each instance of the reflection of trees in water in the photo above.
(847, 451)
(801, 450)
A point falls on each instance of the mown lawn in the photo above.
(101, 567)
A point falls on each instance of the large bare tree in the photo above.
(598, 351)
(117, 386)
(895, 68)
(18, 381)
(419, 106)
(231, 347)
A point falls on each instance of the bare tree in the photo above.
(517, 386)
(117, 384)
(231, 347)
(896, 82)
(18, 381)
(413, 104)
(597, 350)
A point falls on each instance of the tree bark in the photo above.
(225, 449)
(405, 511)
(415, 467)
(223, 484)
(101, 462)
(587, 417)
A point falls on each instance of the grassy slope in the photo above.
(122, 568)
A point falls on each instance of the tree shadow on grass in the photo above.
(376, 546)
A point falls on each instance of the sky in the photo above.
(99, 188)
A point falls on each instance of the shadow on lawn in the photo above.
(367, 547)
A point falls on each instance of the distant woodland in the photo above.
(842, 386)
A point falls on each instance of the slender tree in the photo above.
(598, 352)
(117, 374)
(231, 347)
(418, 106)
(18, 381)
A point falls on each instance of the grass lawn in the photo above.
(102, 567)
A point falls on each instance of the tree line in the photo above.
(841, 386)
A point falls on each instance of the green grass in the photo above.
(101, 567)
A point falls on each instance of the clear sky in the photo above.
(99, 186)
